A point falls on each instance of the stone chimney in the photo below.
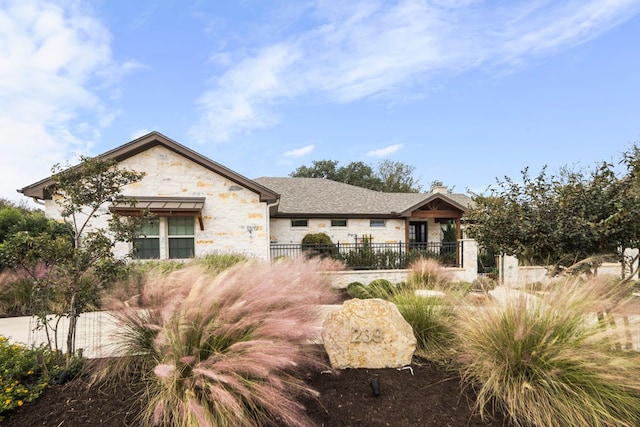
(442, 189)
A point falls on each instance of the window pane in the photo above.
(299, 223)
(338, 222)
(181, 247)
(180, 226)
(146, 245)
(150, 228)
(376, 223)
(146, 248)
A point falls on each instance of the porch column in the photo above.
(458, 238)
(406, 234)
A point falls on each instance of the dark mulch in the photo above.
(426, 395)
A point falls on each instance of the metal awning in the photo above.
(161, 206)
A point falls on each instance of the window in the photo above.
(147, 243)
(376, 223)
(181, 242)
(338, 222)
(166, 237)
(299, 222)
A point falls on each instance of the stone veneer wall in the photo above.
(234, 218)
(513, 275)
(392, 232)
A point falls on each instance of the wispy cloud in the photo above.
(354, 50)
(383, 152)
(50, 57)
(241, 100)
(299, 152)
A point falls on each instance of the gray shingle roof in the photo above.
(317, 196)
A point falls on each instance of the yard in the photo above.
(529, 345)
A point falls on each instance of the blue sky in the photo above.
(465, 91)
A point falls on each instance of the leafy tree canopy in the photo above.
(70, 267)
(389, 176)
(562, 219)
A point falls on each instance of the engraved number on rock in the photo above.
(366, 335)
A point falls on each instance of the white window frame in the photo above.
(377, 223)
(163, 226)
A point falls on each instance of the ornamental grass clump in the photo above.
(226, 350)
(559, 359)
(427, 273)
(432, 320)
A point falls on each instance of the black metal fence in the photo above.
(375, 256)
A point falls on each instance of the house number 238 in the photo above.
(366, 335)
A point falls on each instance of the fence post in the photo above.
(400, 254)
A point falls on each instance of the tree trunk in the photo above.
(71, 334)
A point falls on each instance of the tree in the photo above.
(390, 176)
(571, 218)
(359, 174)
(397, 177)
(326, 169)
(69, 270)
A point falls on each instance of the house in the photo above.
(203, 207)
(344, 212)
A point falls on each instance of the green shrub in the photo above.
(357, 290)
(224, 350)
(22, 377)
(319, 244)
(549, 361)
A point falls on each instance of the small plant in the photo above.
(225, 350)
(357, 290)
(554, 360)
(22, 377)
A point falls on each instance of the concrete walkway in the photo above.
(95, 333)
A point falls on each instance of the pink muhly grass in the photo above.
(164, 371)
(199, 412)
(158, 412)
(429, 274)
(234, 342)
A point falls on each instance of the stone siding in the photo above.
(392, 232)
(234, 218)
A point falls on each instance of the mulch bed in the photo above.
(425, 395)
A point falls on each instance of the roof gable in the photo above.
(38, 190)
(436, 201)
